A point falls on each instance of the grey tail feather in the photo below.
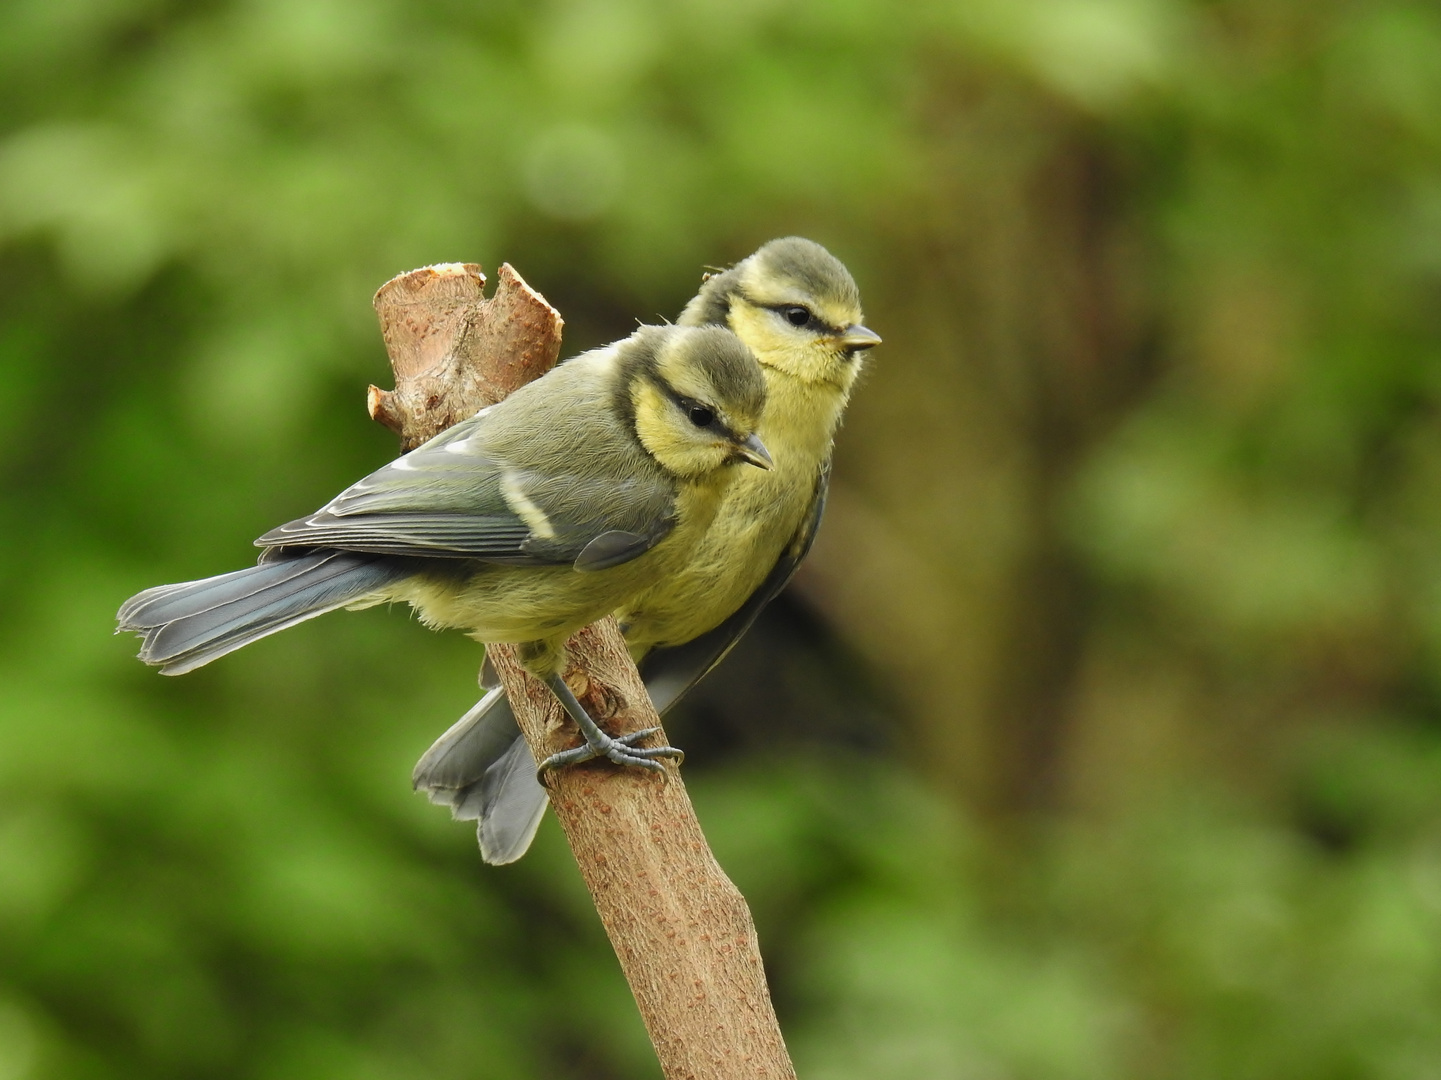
(192, 623)
(515, 805)
(483, 770)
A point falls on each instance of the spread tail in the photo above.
(483, 770)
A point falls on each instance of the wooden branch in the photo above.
(454, 352)
(680, 928)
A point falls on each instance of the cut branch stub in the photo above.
(455, 352)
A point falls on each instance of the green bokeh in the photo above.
(1110, 745)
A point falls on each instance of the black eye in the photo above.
(797, 316)
(700, 416)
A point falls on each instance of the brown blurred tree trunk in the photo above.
(1017, 347)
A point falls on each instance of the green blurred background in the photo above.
(1101, 737)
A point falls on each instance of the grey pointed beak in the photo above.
(752, 450)
(860, 337)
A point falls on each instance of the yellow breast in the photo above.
(757, 518)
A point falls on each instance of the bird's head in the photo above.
(697, 400)
(796, 306)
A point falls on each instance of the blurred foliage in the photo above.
(1105, 740)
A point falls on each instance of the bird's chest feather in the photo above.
(759, 515)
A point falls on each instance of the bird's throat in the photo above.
(800, 418)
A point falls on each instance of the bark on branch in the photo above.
(682, 931)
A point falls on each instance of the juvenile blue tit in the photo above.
(798, 309)
(522, 524)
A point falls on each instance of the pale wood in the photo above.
(681, 929)
(453, 351)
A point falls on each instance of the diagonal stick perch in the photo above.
(682, 931)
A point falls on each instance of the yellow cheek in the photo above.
(668, 443)
(795, 354)
(757, 328)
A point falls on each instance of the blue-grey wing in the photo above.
(460, 497)
(671, 671)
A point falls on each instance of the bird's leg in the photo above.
(622, 750)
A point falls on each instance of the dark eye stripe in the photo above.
(689, 406)
(817, 324)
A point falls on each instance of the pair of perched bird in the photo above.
(675, 478)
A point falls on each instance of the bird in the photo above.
(522, 524)
(797, 308)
